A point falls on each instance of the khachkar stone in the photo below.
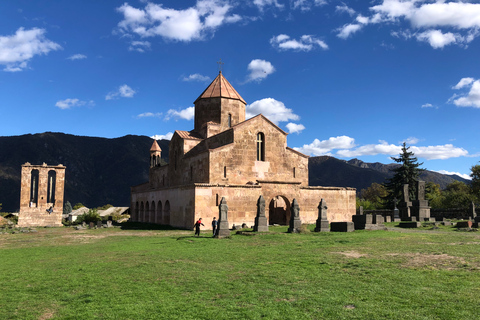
(471, 211)
(420, 208)
(41, 195)
(322, 221)
(404, 206)
(261, 223)
(396, 213)
(295, 222)
(222, 229)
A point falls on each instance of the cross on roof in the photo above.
(220, 65)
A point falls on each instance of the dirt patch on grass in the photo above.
(351, 254)
(434, 261)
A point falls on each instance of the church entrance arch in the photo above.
(279, 211)
(166, 213)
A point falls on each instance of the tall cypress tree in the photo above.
(407, 172)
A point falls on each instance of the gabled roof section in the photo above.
(155, 146)
(220, 88)
(263, 117)
(188, 135)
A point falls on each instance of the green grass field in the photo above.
(127, 273)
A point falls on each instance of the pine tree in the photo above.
(407, 172)
(67, 208)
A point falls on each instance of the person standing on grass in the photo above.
(214, 225)
(197, 226)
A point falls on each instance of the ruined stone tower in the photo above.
(41, 195)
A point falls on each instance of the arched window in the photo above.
(294, 173)
(260, 146)
(191, 173)
(224, 172)
(52, 177)
(34, 188)
(229, 120)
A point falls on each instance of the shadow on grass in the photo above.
(144, 226)
(206, 236)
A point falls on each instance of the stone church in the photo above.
(228, 156)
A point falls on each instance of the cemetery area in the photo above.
(144, 271)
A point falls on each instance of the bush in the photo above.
(78, 206)
(90, 216)
(105, 207)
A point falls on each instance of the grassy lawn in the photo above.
(62, 273)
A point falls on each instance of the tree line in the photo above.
(383, 196)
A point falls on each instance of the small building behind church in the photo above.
(227, 156)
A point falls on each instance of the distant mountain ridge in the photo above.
(102, 170)
(329, 171)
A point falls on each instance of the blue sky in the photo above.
(350, 79)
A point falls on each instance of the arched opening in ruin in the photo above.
(279, 211)
(135, 217)
(142, 213)
(166, 213)
(52, 180)
(34, 188)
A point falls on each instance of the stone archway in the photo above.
(279, 211)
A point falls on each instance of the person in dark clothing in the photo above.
(197, 226)
(214, 226)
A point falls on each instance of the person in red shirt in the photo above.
(197, 226)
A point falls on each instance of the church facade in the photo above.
(228, 156)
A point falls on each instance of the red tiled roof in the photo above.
(188, 135)
(220, 88)
(155, 146)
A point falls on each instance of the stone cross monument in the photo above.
(404, 206)
(261, 223)
(420, 208)
(222, 229)
(322, 221)
(295, 222)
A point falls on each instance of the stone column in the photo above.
(322, 221)
(222, 228)
(261, 223)
(295, 222)
(471, 211)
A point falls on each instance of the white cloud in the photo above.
(17, 50)
(411, 140)
(197, 77)
(306, 5)
(77, 56)
(274, 110)
(470, 99)
(446, 151)
(348, 29)
(464, 82)
(69, 103)
(295, 128)
(431, 16)
(429, 105)
(305, 43)
(123, 91)
(437, 39)
(167, 136)
(324, 147)
(139, 46)
(462, 175)
(186, 25)
(261, 4)
(186, 114)
(345, 8)
(259, 70)
(371, 149)
(149, 115)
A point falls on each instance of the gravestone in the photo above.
(471, 211)
(396, 212)
(84, 224)
(295, 222)
(222, 229)
(99, 224)
(261, 223)
(420, 208)
(322, 220)
(362, 222)
(360, 210)
(405, 205)
(109, 223)
(91, 225)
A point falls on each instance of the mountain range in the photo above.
(101, 171)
